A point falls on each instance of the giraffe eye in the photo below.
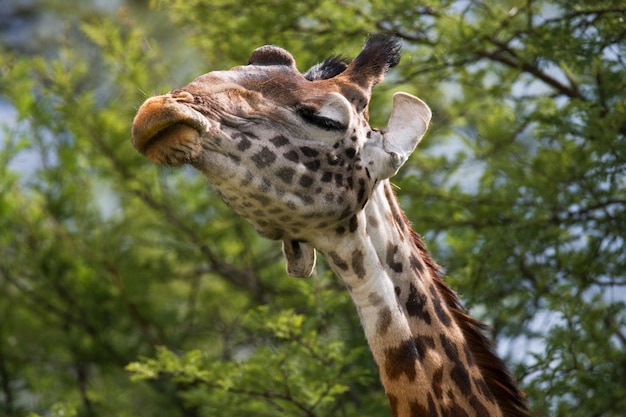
(310, 115)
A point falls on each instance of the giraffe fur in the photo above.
(295, 154)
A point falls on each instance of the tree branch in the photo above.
(5, 382)
(513, 61)
(242, 278)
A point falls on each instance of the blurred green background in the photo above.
(130, 290)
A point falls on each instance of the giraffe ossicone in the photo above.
(295, 155)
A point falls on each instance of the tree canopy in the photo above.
(131, 290)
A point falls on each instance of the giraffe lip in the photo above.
(168, 131)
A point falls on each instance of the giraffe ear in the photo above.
(300, 258)
(407, 124)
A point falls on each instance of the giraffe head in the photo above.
(293, 153)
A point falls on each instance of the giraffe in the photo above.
(295, 155)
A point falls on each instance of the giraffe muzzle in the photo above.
(167, 131)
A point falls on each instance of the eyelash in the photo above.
(309, 114)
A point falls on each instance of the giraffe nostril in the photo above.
(182, 96)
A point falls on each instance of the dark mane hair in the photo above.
(331, 67)
(499, 380)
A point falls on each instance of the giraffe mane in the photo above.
(500, 382)
(329, 68)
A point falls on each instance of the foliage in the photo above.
(131, 290)
(292, 347)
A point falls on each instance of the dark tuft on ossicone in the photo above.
(381, 52)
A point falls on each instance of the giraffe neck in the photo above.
(410, 318)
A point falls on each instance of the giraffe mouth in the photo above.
(167, 131)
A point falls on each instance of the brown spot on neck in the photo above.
(401, 360)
